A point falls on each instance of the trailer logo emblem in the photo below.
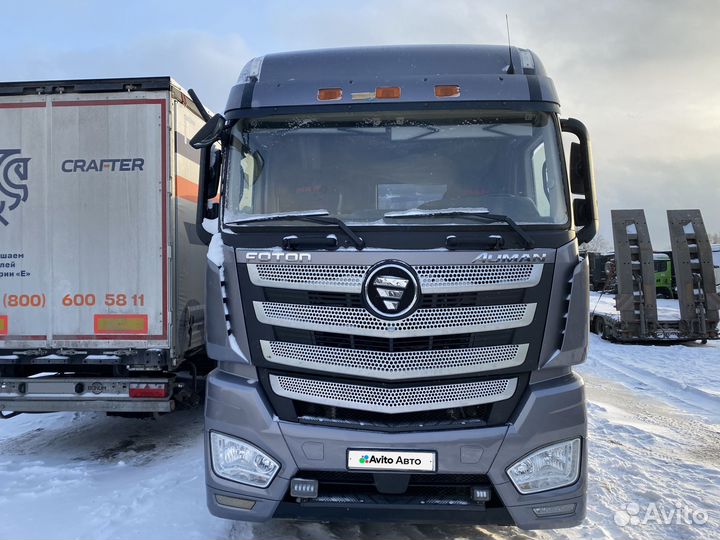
(13, 190)
(391, 290)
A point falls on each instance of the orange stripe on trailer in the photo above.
(121, 324)
(3, 325)
(186, 189)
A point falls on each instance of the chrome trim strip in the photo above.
(433, 278)
(423, 322)
(394, 365)
(371, 256)
(393, 400)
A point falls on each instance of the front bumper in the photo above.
(549, 412)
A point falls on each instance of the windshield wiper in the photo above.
(480, 214)
(315, 216)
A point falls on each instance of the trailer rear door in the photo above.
(89, 238)
(24, 279)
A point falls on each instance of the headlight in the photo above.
(550, 467)
(239, 461)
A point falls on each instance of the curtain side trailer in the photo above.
(101, 269)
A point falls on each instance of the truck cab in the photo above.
(663, 274)
(394, 293)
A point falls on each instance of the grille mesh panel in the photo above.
(423, 322)
(393, 400)
(433, 278)
(391, 366)
(458, 278)
(345, 278)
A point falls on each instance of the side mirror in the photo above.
(578, 174)
(210, 167)
(209, 133)
(582, 180)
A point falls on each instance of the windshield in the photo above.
(368, 169)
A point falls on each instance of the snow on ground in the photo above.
(605, 303)
(654, 425)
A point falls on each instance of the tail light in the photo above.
(148, 390)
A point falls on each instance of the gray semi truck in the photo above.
(394, 293)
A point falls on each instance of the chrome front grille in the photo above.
(393, 400)
(394, 366)
(433, 278)
(423, 322)
(322, 323)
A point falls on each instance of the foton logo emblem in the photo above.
(391, 290)
(510, 258)
(272, 256)
(13, 190)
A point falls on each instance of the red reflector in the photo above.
(148, 390)
(3, 325)
(447, 90)
(329, 94)
(387, 92)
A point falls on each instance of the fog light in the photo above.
(481, 493)
(551, 467)
(557, 510)
(239, 461)
(303, 488)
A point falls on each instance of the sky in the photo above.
(644, 76)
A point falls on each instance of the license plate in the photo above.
(391, 460)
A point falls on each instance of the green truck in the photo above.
(602, 273)
(663, 275)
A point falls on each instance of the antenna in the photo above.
(511, 68)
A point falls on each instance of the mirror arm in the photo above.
(200, 107)
(591, 226)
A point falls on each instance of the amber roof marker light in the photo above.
(387, 92)
(447, 90)
(329, 94)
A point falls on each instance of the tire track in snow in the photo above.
(283, 530)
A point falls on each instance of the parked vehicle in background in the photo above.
(603, 273)
(663, 275)
(716, 264)
(394, 293)
(101, 272)
(600, 264)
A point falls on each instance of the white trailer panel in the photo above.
(25, 279)
(91, 235)
(98, 194)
